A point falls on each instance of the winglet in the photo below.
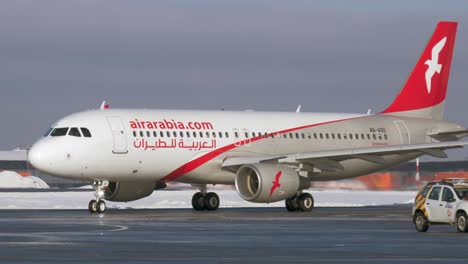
(104, 105)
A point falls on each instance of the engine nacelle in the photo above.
(128, 191)
(268, 183)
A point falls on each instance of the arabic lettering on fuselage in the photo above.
(192, 145)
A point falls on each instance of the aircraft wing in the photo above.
(329, 160)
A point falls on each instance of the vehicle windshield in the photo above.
(461, 191)
(59, 131)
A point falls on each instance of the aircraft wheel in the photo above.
(92, 206)
(197, 202)
(305, 202)
(462, 224)
(291, 205)
(421, 223)
(211, 201)
(101, 206)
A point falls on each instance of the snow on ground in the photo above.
(182, 199)
(11, 179)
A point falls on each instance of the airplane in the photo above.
(269, 156)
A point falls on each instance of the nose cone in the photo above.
(37, 157)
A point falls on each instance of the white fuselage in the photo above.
(190, 146)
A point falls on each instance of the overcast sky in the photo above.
(59, 57)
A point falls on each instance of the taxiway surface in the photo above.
(242, 235)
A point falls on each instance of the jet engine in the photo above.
(268, 183)
(128, 191)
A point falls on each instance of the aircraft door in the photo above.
(118, 135)
(403, 130)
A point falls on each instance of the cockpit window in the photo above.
(48, 132)
(74, 132)
(85, 132)
(58, 132)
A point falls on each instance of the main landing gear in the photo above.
(204, 200)
(98, 205)
(303, 202)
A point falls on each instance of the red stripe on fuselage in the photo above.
(193, 164)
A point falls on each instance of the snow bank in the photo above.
(182, 199)
(11, 179)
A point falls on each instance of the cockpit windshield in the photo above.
(63, 131)
(59, 131)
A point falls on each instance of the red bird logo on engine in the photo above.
(275, 184)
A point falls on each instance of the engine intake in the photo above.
(267, 183)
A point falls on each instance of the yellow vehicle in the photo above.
(444, 202)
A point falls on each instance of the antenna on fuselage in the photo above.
(104, 105)
(298, 110)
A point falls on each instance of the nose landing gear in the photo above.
(98, 205)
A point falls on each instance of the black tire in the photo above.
(92, 206)
(291, 205)
(305, 202)
(101, 206)
(197, 202)
(420, 222)
(211, 201)
(462, 222)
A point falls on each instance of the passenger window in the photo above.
(194, 134)
(368, 136)
(141, 133)
(253, 134)
(220, 135)
(181, 134)
(315, 135)
(148, 134)
(86, 132)
(155, 134)
(297, 135)
(201, 134)
(188, 134)
(74, 132)
(385, 136)
(236, 134)
(207, 134)
(168, 134)
(380, 137)
(362, 136)
(373, 135)
(214, 134)
(344, 136)
(58, 132)
(326, 135)
(161, 133)
(134, 134)
(447, 195)
(227, 134)
(290, 135)
(309, 136)
(435, 193)
(285, 136)
(246, 135)
(338, 135)
(350, 136)
(356, 136)
(333, 135)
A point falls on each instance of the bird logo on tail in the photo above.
(275, 184)
(433, 63)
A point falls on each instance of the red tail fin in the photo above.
(423, 94)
